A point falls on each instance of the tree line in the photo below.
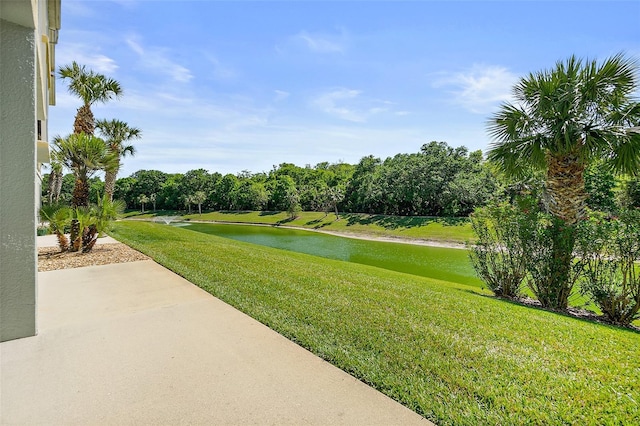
(437, 181)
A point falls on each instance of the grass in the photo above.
(448, 351)
(456, 230)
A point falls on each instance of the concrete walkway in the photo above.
(136, 344)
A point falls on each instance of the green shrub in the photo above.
(609, 248)
(548, 244)
(497, 255)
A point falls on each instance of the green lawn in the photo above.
(448, 351)
(429, 228)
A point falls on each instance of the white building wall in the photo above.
(25, 67)
(18, 269)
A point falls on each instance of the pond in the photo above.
(434, 262)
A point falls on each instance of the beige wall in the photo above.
(25, 66)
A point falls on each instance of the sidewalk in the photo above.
(134, 343)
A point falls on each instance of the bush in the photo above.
(522, 242)
(548, 244)
(609, 249)
(497, 255)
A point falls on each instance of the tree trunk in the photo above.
(75, 237)
(84, 122)
(51, 185)
(110, 183)
(566, 198)
(58, 186)
(80, 193)
(565, 187)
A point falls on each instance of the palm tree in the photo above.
(91, 87)
(55, 179)
(143, 199)
(563, 119)
(198, 198)
(116, 134)
(84, 155)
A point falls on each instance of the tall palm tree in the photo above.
(90, 87)
(563, 119)
(84, 155)
(116, 134)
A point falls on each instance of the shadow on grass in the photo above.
(574, 313)
(234, 212)
(154, 213)
(265, 213)
(396, 222)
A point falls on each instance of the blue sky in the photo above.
(232, 86)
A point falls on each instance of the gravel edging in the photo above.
(50, 258)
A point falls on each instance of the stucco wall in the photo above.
(18, 262)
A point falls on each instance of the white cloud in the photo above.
(85, 54)
(318, 42)
(281, 95)
(481, 88)
(219, 70)
(157, 60)
(333, 103)
(323, 43)
(349, 105)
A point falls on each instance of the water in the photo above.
(434, 262)
(166, 219)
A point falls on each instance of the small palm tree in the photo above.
(84, 155)
(116, 133)
(198, 198)
(153, 198)
(55, 180)
(106, 211)
(90, 87)
(143, 199)
(58, 217)
(188, 200)
(564, 119)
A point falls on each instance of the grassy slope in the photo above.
(444, 350)
(429, 228)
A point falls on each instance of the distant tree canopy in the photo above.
(437, 181)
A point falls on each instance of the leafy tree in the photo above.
(170, 196)
(148, 182)
(197, 180)
(117, 134)
(284, 193)
(90, 87)
(250, 195)
(123, 190)
(223, 192)
(564, 119)
(96, 190)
